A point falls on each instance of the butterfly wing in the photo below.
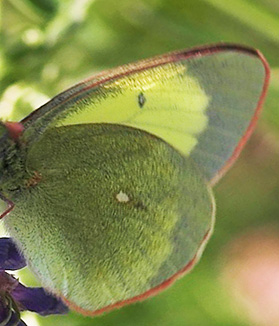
(132, 149)
(204, 102)
(116, 216)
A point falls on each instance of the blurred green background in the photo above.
(47, 45)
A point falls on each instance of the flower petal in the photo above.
(15, 321)
(37, 300)
(10, 257)
(5, 312)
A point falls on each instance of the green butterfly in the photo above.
(107, 185)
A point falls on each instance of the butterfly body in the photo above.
(13, 171)
(110, 179)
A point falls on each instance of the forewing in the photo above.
(203, 102)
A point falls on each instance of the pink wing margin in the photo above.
(253, 121)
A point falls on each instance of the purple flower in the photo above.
(15, 297)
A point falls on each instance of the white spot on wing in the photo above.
(122, 197)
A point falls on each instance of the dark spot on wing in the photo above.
(140, 205)
(141, 100)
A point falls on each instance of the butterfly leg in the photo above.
(10, 206)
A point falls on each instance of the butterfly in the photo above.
(108, 185)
